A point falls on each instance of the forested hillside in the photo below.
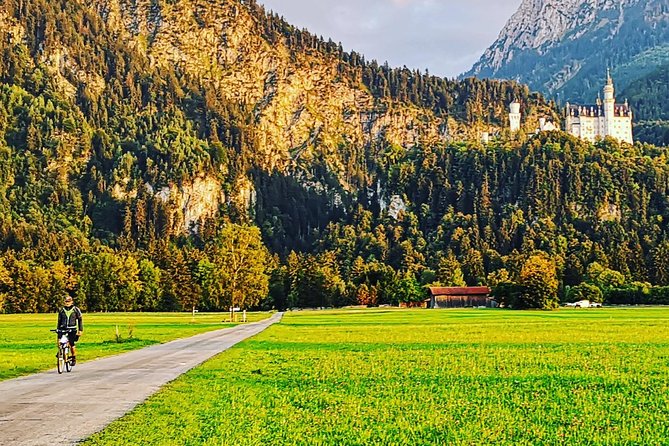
(648, 97)
(171, 154)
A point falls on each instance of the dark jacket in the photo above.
(70, 317)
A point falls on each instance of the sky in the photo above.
(444, 36)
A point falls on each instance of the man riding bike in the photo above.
(69, 317)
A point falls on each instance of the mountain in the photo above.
(563, 47)
(190, 102)
(140, 139)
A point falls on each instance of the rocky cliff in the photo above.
(563, 47)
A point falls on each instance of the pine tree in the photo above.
(449, 272)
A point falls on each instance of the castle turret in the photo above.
(609, 105)
(514, 116)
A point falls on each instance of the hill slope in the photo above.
(181, 100)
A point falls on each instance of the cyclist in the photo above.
(69, 317)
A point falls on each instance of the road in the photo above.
(52, 409)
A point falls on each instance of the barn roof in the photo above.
(460, 291)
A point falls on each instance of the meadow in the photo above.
(421, 377)
(27, 346)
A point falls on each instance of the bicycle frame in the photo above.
(64, 358)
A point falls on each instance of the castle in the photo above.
(602, 119)
(589, 122)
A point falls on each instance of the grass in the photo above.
(417, 377)
(27, 346)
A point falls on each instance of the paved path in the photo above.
(52, 409)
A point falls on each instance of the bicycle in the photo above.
(64, 356)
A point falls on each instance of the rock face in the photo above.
(298, 101)
(297, 105)
(303, 108)
(564, 46)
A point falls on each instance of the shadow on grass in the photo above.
(126, 341)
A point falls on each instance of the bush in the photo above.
(626, 296)
(638, 295)
(659, 296)
(508, 294)
(585, 291)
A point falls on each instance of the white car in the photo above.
(584, 304)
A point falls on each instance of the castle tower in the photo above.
(609, 105)
(514, 116)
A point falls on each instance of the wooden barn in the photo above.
(461, 297)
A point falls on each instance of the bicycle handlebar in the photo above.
(66, 330)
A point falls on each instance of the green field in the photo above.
(27, 346)
(577, 377)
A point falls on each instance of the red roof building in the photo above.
(461, 297)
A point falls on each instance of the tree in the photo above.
(366, 295)
(473, 267)
(95, 285)
(497, 277)
(449, 272)
(128, 284)
(334, 287)
(660, 260)
(279, 288)
(308, 288)
(240, 276)
(62, 279)
(508, 294)
(605, 278)
(538, 277)
(29, 290)
(293, 263)
(405, 288)
(6, 284)
(109, 281)
(148, 298)
(189, 290)
(610, 278)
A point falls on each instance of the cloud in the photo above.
(402, 2)
(445, 36)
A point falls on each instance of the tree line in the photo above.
(229, 270)
(548, 219)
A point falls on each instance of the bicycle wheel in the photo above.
(68, 360)
(61, 360)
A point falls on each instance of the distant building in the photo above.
(459, 297)
(515, 116)
(546, 126)
(601, 119)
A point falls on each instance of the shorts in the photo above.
(72, 337)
